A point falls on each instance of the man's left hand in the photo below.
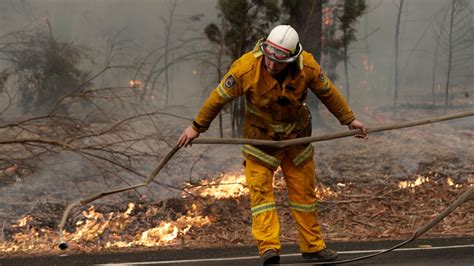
(356, 124)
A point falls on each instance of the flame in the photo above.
(119, 230)
(323, 191)
(224, 187)
(233, 185)
(167, 231)
(30, 238)
(451, 183)
(22, 222)
(368, 67)
(11, 170)
(327, 16)
(135, 84)
(410, 184)
(160, 235)
(94, 225)
(111, 227)
(421, 180)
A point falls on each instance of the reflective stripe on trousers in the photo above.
(273, 161)
(261, 155)
(300, 182)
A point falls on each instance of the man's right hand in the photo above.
(187, 136)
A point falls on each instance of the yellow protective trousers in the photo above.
(300, 182)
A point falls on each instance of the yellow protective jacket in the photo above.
(264, 117)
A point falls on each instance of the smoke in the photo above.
(59, 179)
(374, 86)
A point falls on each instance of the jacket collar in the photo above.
(264, 81)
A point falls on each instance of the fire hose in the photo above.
(467, 195)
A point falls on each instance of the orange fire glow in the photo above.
(451, 183)
(23, 221)
(167, 231)
(226, 186)
(324, 192)
(116, 230)
(327, 16)
(420, 180)
(96, 225)
(368, 66)
(410, 184)
(111, 226)
(135, 84)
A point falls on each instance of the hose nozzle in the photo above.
(63, 245)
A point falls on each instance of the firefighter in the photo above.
(274, 78)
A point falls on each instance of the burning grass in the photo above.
(210, 218)
(384, 188)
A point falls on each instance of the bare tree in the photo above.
(215, 36)
(457, 41)
(109, 135)
(157, 62)
(168, 24)
(45, 68)
(367, 60)
(348, 13)
(397, 37)
(441, 25)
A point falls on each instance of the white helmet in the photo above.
(282, 44)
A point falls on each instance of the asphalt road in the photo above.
(453, 251)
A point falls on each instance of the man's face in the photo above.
(274, 67)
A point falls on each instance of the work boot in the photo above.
(270, 257)
(322, 255)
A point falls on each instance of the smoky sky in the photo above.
(92, 23)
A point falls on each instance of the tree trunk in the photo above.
(307, 20)
(433, 75)
(367, 51)
(346, 74)
(450, 55)
(167, 42)
(436, 52)
(397, 33)
(219, 77)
